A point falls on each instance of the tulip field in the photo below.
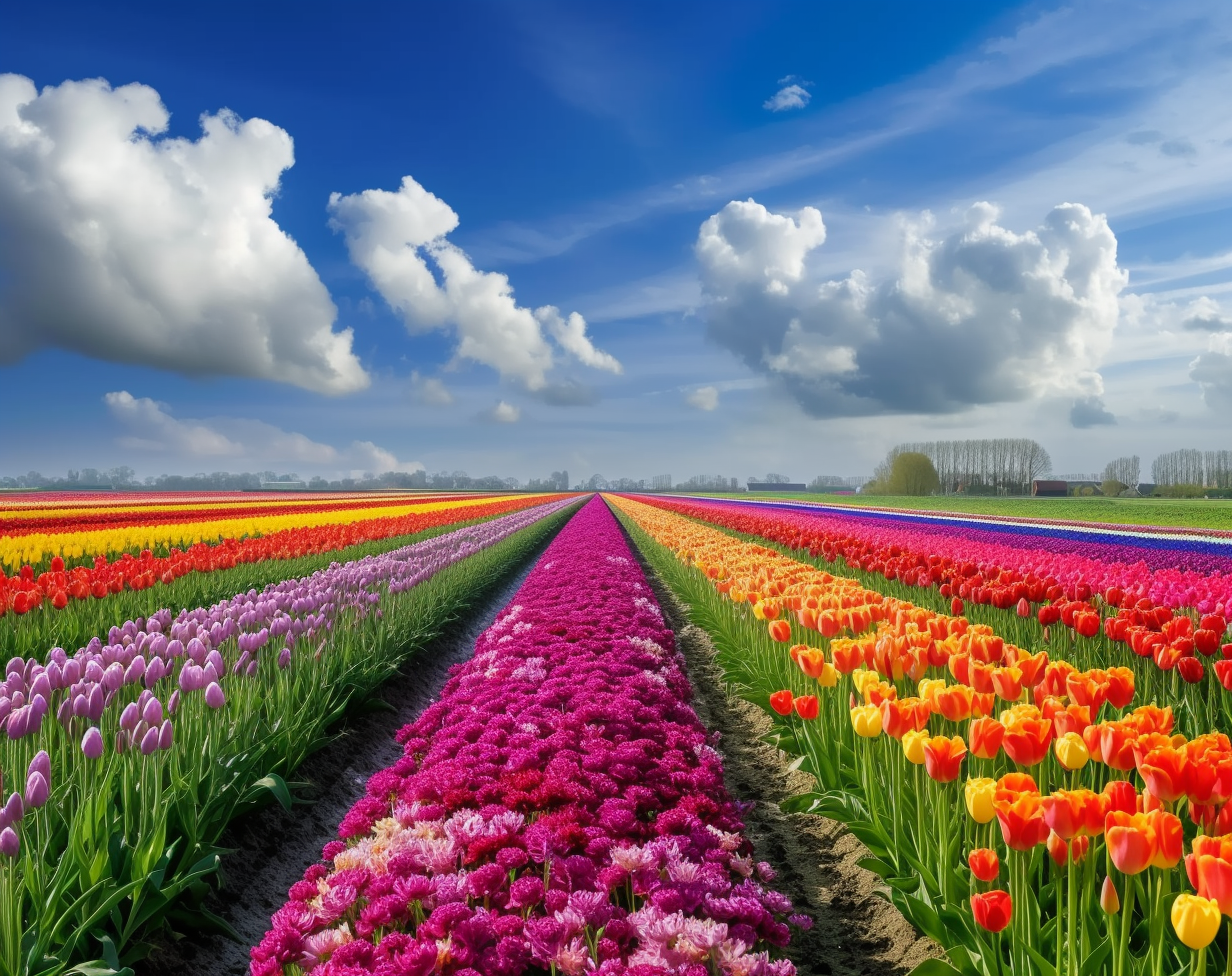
(1024, 722)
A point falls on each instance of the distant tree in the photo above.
(912, 473)
(1111, 487)
(777, 479)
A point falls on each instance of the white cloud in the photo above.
(787, 98)
(1212, 370)
(126, 245)
(979, 315)
(704, 398)
(392, 237)
(505, 413)
(430, 390)
(151, 428)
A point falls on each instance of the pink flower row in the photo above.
(559, 807)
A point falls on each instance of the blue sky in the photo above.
(769, 216)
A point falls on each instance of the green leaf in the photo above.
(934, 967)
(277, 786)
(800, 803)
(1094, 961)
(1046, 967)
(877, 866)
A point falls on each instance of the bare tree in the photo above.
(1003, 464)
(1126, 470)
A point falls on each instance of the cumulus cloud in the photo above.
(152, 428)
(504, 413)
(1205, 315)
(1090, 412)
(1212, 371)
(430, 390)
(398, 239)
(123, 244)
(979, 315)
(704, 398)
(787, 98)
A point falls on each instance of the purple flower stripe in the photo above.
(197, 648)
(559, 807)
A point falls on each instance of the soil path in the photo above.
(273, 847)
(856, 932)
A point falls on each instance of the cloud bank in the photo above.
(151, 428)
(127, 246)
(398, 239)
(980, 315)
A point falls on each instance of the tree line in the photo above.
(999, 465)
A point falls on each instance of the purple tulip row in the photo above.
(559, 807)
(198, 648)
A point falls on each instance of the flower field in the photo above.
(127, 754)
(1043, 789)
(559, 808)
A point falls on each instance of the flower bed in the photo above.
(137, 751)
(559, 807)
(1035, 772)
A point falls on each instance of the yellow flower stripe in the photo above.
(17, 510)
(16, 551)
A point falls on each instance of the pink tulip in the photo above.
(92, 743)
(214, 696)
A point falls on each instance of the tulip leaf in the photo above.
(800, 803)
(1094, 962)
(877, 866)
(934, 967)
(277, 786)
(1046, 967)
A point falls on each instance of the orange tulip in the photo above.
(984, 864)
(954, 702)
(1122, 796)
(1120, 687)
(943, 757)
(1071, 718)
(1211, 875)
(1132, 841)
(847, 656)
(1027, 740)
(1169, 835)
(1058, 849)
(1062, 811)
(903, 715)
(986, 735)
(1007, 683)
(780, 631)
(1116, 745)
(1152, 718)
(1022, 821)
(1164, 771)
(811, 660)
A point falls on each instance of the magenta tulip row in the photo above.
(559, 807)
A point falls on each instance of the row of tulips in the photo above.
(1046, 808)
(60, 584)
(1166, 647)
(136, 510)
(136, 750)
(81, 545)
(560, 808)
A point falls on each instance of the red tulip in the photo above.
(780, 631)
(781, 702)
(984, 864)
(992, 909)
(806, 706)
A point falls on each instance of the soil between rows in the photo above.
(856, 932)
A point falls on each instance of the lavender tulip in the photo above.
(149, 741)
(214, 696)
(130, 717)
(10, 844)
(166, 735)
(37, 790)
(14, 810)
(152, 713)
(41, 763)
(92, 743)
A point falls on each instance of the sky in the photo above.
(623, 239)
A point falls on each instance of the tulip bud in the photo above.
(152, 713)
(1058, 850)
(1109, 900)
(284, 659)
(10, 844)
(214, 696)
(36, 790)
(1024, 608)
(984, 864)
(978, 793)
(92, 743)
(41, 763)
(14, 810)
(130, 717)
(173, 703)
(866, 719)
(149, 741)
(165, 735)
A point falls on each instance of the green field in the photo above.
(1194, 513)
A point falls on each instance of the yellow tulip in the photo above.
(978, 792)
(828, 677)
(1196, 920)
(913, 746)
(862, 678)
(1072, 752)
(867, 721)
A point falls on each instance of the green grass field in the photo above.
(1194, 513)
